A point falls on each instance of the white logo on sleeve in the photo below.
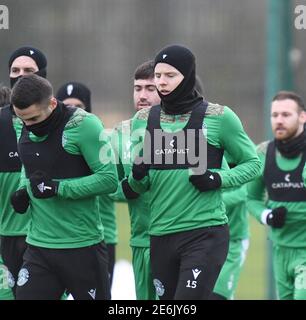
(92, 293)
(211, 177)
(164, 56)
(41, 187)
(31, 52)
(196, 273)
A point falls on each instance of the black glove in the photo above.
(20, 200)
(140, 170)
(276, 218)
(128, 191)
(207, 181)
(42, 186)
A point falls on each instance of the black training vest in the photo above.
(282, 185)
(169, 151)
(49, 155)
(9, 159)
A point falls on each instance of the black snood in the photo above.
(48, 125)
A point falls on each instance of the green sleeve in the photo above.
(234, 196)
(138, 127)
(23, 179)
(139, 186)
(257, 192)
(304, 174)
(88, 139)
(116, 141)
(241, 149)
(18, 125)
(118, 195)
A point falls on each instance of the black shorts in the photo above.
(47, 273)
(186, 265)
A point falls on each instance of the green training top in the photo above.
(108, 217)
(293, 233)
(176, 205)
(108, 214)
(72, 218)
(138, 208)
(11, 223)
(235, 200)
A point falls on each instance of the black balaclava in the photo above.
(75, 90)
(183, 98)
(293, 147)
(33, 53)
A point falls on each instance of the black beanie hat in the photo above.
(177, 56)
(180, 100)
(75, 90)
(33, 53)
